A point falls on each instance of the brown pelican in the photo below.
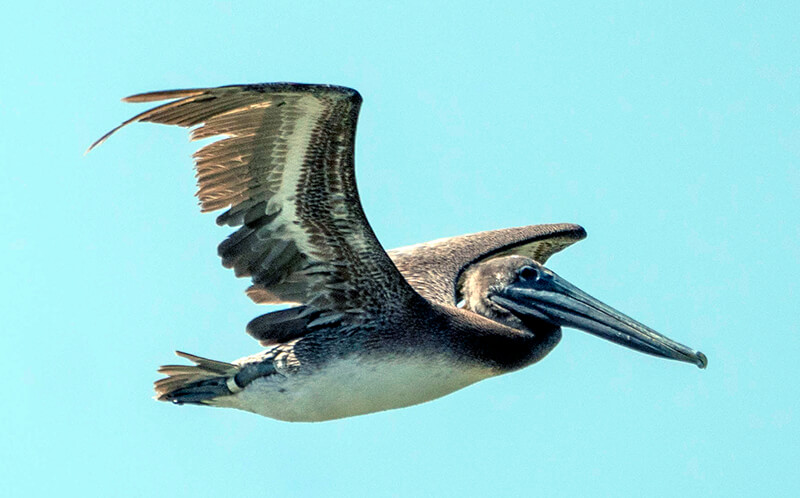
(370, 330)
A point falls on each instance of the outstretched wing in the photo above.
(283, 168)
(433, 268)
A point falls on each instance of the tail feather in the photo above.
(219, 367)
(196, 384)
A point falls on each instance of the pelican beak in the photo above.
(541, 294)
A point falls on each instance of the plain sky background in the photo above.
(671, 133)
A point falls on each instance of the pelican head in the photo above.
(519, 292)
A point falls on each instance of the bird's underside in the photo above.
(366, 330)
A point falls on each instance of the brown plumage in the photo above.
(384, 327)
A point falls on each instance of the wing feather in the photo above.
(283, 168)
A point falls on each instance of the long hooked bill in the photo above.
(550, 298)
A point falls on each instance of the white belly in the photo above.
(354, 386)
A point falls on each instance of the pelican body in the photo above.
(367, 330)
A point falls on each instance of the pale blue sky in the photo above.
(671, 133)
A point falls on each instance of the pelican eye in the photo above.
(528, 273)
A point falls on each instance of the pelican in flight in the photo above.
(368, 330)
